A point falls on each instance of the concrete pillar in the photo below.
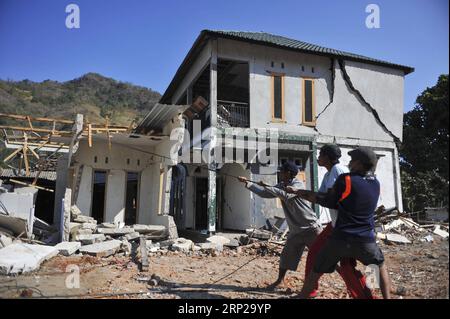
(213, 83)
(315, 175)
(77, 130)
(66, 216)
(397, 180)
(115, 196)
(146, 190)
(212, 201)
(84, 196)
(167, 186)
(212, 175)
(60, 190)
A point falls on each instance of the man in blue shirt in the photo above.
(355, 196)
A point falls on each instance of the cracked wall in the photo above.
(348, 115)
(367, 104)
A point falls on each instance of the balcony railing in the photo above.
(232, 114)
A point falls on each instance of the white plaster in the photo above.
(115, 196)
(84, 198)
(236, 207)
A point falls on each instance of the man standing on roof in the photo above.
(304, 226)
(355, 195)
(355, 281)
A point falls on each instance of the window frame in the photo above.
(313, 102)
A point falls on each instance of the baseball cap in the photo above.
(366, 155)
(288, 166)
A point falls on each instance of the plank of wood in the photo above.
(30, 185)
(37, 119)
(90, 135)
(27, 129)
(10, 156)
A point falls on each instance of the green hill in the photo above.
(92, 94)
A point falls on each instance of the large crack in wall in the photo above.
(358, 94)
(333, 77)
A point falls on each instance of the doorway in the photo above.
(131, 198)
(98, 196)
(177, 203)
(201, 203)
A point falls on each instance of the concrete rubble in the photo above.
(440, 232)
(395, 227)
(220, 240)
(20, 258)
(103, 249)
(396, 238)
(68, 248)
(258, 233)
(88, 237)
(115, 232)
(5, 240)
(150, 229)
(17, 210)
(183, 245)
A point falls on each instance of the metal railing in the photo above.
(232, 114)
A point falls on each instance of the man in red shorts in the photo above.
(355, 281)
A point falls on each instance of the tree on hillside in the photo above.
(424, 152)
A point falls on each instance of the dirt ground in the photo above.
(418, 270)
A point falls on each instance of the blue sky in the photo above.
(144, 42)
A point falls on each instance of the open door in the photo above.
(131, 199)
(98, 196)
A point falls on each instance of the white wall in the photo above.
(117, 167)
(236, 199)
(384, 173)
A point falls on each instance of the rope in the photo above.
(202, 166)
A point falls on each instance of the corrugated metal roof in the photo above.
(264, 38)
(10, 173)
(284, 42)
(157, 117)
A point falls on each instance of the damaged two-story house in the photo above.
(232, 91)
(255, 83)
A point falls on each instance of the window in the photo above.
(308, 105)
(277, 97)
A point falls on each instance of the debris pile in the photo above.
(106, 239)
(20, 253)
(398, 228)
